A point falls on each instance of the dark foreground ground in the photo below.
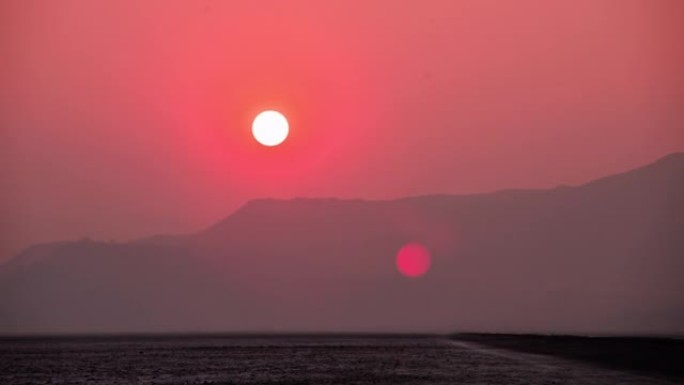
(332, 359)
(656, 356)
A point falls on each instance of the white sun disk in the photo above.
(270, 128)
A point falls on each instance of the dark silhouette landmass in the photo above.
(648, 355)
(604, 257)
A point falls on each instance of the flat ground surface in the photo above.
(305, 360)
(647, 355)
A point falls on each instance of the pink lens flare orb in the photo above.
(413, 260)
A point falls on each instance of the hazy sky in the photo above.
(121, 119)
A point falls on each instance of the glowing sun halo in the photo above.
(270, 128)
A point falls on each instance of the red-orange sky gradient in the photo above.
(123, 119)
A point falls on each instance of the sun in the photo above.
(270, 128)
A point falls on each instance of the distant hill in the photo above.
(604, 257)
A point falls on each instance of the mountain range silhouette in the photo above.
(603, 257)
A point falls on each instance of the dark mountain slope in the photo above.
(602, 257)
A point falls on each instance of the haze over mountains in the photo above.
(604, 257)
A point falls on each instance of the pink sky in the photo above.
(123, 119)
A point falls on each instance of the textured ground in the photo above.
(293, 360)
